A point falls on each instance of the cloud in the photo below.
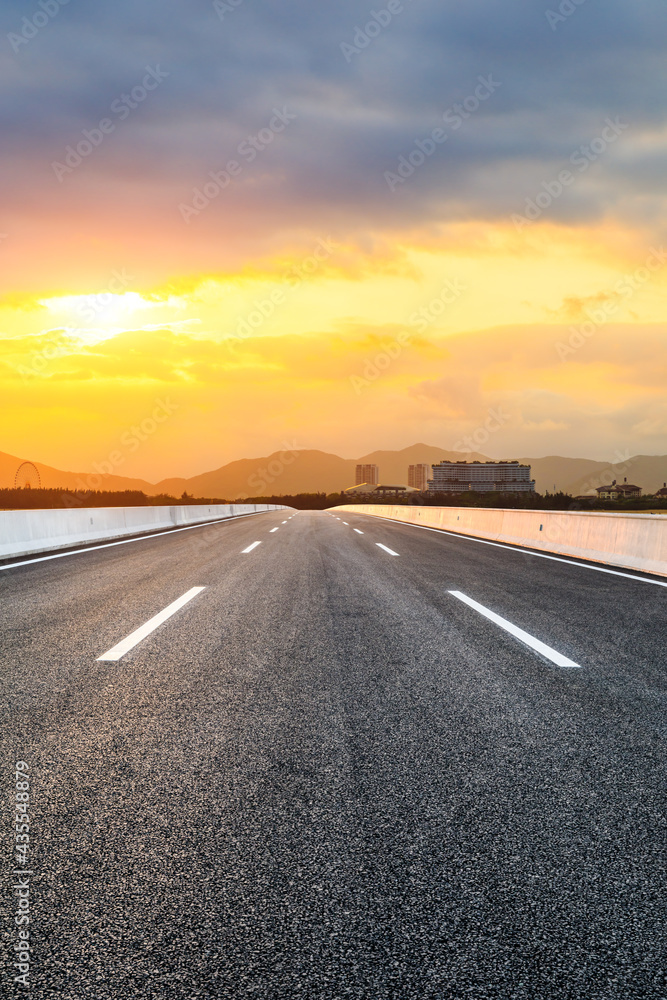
(610, 397)
(353, 120)
(322, 177)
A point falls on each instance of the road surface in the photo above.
(332, 769)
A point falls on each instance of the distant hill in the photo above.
(302, 472)
(281, 472)
(56, 479)
(312, 471)
(569, 475)
(647, 471)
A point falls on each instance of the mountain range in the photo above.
(312, 471)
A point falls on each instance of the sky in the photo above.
(231, 226)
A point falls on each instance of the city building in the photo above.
(378, 491)
(367, 474)
(419, 475)
(618, 491)
(481, 477)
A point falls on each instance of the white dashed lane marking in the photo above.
(136, 637)
(390, 551)
(518, 633)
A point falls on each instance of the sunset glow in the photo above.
(264, 298)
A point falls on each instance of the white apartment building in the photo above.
(419, 475)
(481, 477)
(367, 474)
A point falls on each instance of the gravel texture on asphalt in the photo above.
(325, 777)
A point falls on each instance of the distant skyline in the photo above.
(289, 471)
(229, 229)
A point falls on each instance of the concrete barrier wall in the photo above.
(25, 532)
(632, 541)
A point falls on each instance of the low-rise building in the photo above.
(662, 493)
(618, 491)
(378, 490)
(481, 477)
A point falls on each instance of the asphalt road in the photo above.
(327, 776)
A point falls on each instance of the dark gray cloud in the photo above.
(356, 116)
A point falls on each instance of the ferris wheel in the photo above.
(27, 477)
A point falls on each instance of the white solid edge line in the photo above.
(528, 552)
(390, 551)
(518, 633)
(274, 529)
(357, 531)
(135, 637)
(250, 548)
(128, 541)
